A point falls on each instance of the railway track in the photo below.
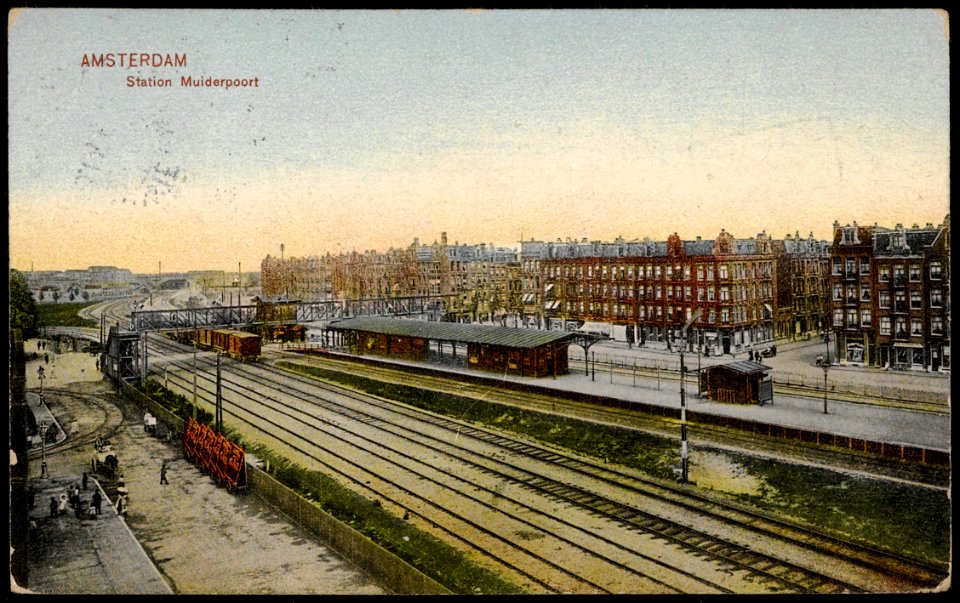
(602, 519)
(710, 435)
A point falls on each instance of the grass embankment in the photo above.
(64, 315)
(897, 516)
(431, 556)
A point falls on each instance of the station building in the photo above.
(524, 352)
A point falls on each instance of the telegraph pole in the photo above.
(219, 409)
(684, 461)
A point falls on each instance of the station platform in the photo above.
(877, 423)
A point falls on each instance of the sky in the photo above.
(369, 129)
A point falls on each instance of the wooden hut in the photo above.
(741, 382)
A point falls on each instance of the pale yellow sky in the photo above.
(372, 129)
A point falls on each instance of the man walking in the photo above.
(163, 473)
(97, 500)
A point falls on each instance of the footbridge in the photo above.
(306, 312)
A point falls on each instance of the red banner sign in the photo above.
(217, 455)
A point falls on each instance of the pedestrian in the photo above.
(92, 512)
(121, 505)
(97, 500)
(74, 496)
(98, 364)
(163, 473)
(46, 358)
(84, 480)
(62, 504)
(53, 506)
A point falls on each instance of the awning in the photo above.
(768, 308)
(529, 298)
(908, 345)
(549, 288)
(551, 305)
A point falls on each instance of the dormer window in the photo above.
(850, 236)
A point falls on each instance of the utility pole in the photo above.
(684, 461)
(219, 410)
(196, 338)
(826, 370)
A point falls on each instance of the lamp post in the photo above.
(43, 449)
(684, 462)
(826, 370)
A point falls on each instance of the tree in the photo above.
(23, 309)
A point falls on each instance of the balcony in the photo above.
(900, 308)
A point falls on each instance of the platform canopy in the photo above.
(508, 337)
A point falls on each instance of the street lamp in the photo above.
(684, 462)
(43, 449)
(826, 369)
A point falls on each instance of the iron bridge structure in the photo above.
(307, 311)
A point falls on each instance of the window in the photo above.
(898, 274)
(850, 236)
(899, 301)
(838, 318)
(851, 318)
(900, 326)
(916, 300)
(866, 319)
(709, 273)
(936, 270)
(688, 293)
(914, 272)
(836, 265)
(701, 294)
(725, 315)
(884, 274)
(884, 299)
(935, 298)
(851, 266)
(686, 273)
(724, 271)
(865, 265)
(884, 325)
(915, 326)
(936, 325)
(864, 293)
(851, 294)
(724, 293)
(711, 294)
(838, 291)
(712, 316)
(699, 273)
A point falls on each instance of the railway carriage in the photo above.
(238, 344)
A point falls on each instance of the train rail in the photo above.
(619, 533)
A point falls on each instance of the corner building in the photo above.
(890, 296)
(647, 290)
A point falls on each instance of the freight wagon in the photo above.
(238, 344)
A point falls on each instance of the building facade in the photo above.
(803, 302)
(890, 292)
(648, 290)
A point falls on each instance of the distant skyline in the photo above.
(367, 129)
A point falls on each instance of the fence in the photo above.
(609, 363)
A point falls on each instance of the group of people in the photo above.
(58, 506)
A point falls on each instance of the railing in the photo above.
(622, 369)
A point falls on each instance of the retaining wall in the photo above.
(389, 570)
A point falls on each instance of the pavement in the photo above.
(189, 536)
